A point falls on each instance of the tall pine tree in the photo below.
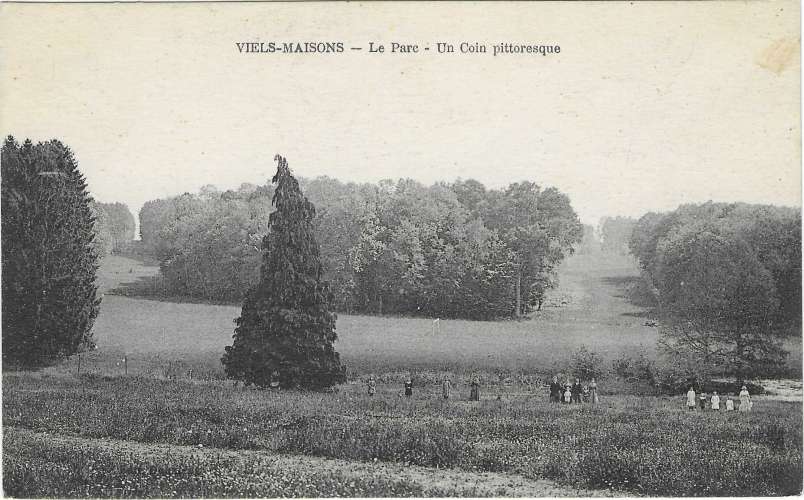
(49, 261)
(286, 325)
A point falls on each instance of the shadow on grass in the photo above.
(648, 314)
(153, 288)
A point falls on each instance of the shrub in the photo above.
(586, 364)
(635, 368)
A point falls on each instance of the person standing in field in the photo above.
(555, 390)
(702, 400)
(729, 403)
(593, 392)
(409, 387)
(577, 389)
(745, 399)
(446, 388)
(568, 394)
(715, 401)
(691, 399)
(474, 392)
(372, 386)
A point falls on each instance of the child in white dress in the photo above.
(715, 401)
(729, 404)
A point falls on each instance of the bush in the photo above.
(635, 368)
(586, 364)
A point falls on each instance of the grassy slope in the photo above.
(636, 444)
(640, 445)
(53, 465)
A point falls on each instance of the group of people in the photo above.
(570, 392)
(704, 402)
(446, 388)
(566, 393)
(576, 393)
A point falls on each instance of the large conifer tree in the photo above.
(286, 326)
(49, 299)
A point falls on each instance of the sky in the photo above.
(647, 106)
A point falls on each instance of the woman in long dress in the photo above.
(593, 392)
(745, 399)
(372, 386)
(691, 399)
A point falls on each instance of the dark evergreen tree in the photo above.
(286, 326)
(49, 261)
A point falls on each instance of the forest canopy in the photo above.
(396, 247)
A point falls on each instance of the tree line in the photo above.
(396, 247)
(728, 281)
(114, 227)
(615, 234)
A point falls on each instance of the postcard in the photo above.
(370, 249)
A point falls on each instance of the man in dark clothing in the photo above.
(577, 390)
(474, 392)
(555, 391)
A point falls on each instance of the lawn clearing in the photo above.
(588, 309)
(591, 307)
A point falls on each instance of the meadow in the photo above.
(148, 413)
(588, 309)
(598, 305)
(638, 445)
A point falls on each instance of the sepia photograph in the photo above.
(405, 249)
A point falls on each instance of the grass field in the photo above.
(124, 428)
(591, 307)
(171, 427)
(594, 312)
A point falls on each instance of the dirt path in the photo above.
(466, 483)
(594, 288)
